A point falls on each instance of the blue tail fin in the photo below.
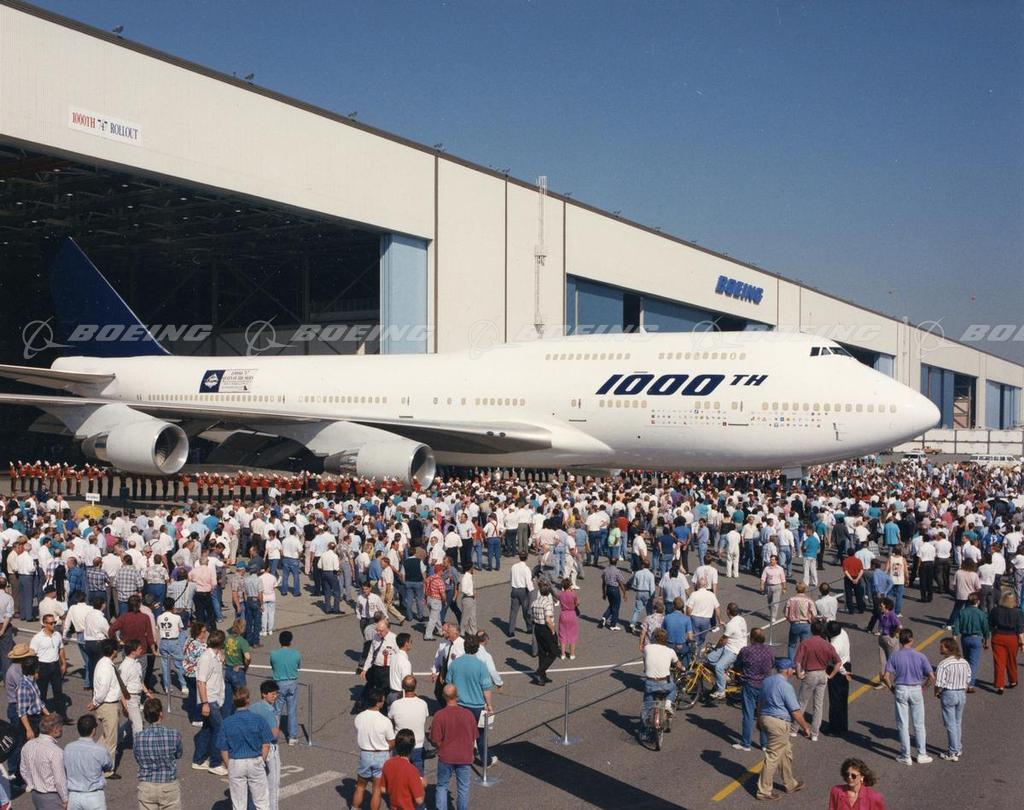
(91, 315)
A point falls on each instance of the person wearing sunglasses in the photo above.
(856, 792)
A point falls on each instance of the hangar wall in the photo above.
(481, 228)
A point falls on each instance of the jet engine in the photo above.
(396, 458)
(148, 447)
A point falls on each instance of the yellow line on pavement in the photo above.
(754, 770)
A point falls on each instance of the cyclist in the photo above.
(660, 664)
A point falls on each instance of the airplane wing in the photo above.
(453, 436)
(52, 378)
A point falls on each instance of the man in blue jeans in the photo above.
(754, 663)
(453, 733)
(284, 665)
(210, 685)
(906, 673)
(614, 583)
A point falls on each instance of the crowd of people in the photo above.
(153, 587)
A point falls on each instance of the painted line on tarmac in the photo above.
(500, 672)
(308, 783)
(754, 770)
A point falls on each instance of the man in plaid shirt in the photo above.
(127, 580)
(96, 580)
(28, 702)
(157, 749)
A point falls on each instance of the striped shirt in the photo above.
(543, 609)
(953, 673)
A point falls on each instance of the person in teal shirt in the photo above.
(470, 676)
(285, 664)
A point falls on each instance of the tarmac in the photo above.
(604, 766)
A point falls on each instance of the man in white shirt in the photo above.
(732, 553)
(733, 639)
(106, 697)
(48, 646)
(702, 607)
(659, 662)
(827, 605)
(210, 686)
(521, 582)
(330, 563)
(468, 590)
(375, 737)
(399, 667)
(130, 671)
(411, 712)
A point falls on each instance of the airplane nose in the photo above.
(921, 414)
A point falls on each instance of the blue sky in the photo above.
(871, 149)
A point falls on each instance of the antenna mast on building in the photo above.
(539, 254)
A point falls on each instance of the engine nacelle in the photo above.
(397, 458)
(149, 447)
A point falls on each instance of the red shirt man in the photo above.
(454, 731)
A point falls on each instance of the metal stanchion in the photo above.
(309, 714)
(564, 738)
(484, 780)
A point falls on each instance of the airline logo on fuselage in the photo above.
(211, 382)
(699, 385)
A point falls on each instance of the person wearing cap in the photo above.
(18, 655)
(778, 707)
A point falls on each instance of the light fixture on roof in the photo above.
(124, 185)
(131, 206)
(183, 199)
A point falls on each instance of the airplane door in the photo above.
(840, 429)
(739, 415)
(576, 412)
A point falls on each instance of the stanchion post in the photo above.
(484, 780)
(565, 739)
(309, 714)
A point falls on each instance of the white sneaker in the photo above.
(950, 757)
(572, 657)
(814, 738)
(220, 770)
(718, 695)
(200, 766)
(562, 656)
(923, 759)
(184, 692)
(794, 734)
(905, 760)
(197, 723)
(741, 747)
(293, 741)
(616, 627)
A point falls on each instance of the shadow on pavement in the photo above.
(730, 769)
(586, 784)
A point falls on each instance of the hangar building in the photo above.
(274, 225)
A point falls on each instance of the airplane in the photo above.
(700, 401)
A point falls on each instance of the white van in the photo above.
(914, 455)
(996, 460)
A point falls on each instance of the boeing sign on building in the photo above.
(739, 289)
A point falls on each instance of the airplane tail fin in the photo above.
(91, 315)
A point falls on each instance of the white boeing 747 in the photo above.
(689, 401)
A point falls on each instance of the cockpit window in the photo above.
(824, 351)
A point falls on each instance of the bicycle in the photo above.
(658, 721)
(697, 682)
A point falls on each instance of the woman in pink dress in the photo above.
(568, 628)
(856, 793)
